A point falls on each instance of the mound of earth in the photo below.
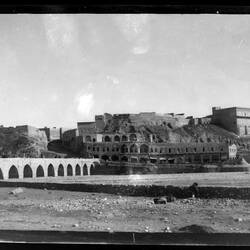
(196, 229)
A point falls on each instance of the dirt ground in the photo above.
(36, 209)
(227, 179)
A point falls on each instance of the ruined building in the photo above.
(140, 138)
(234, 119)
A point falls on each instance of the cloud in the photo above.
(113, 79)
(85, 103)
(60, 30)
(134, 27)
(54, 97)
(140, 49)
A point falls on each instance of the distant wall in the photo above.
(31, 131)
(72, 140)
(225, 118)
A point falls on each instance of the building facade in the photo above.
(53, 133)
(143, 152)
(234, 119)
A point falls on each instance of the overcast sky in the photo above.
(56, 70)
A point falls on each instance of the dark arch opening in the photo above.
(91, 169)
(115, 158)
(107, 138)
(85, 170)
(1, 174)
(143, 160)
(60, 171)
(39, 171)
(133, 149)
(124, 138)
(51, 171)
(124, 158)
(105, 157)
(13, 173)
(117, 138)
(27, 172)
(144, 148)
(69, 170)
(124, 149)
(78, 170)
(132, 137)
(134, 159)
(88, 138)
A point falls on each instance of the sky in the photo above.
(57, 69)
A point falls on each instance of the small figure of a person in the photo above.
(194, 189)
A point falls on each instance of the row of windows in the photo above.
(196, 158)
(134, 149)
(117, 138)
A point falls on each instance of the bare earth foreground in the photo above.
(37, 209)
(226, 179)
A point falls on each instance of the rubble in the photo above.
(16, 191)
(161, 200)
(56, 226)
(239, 219)
(167, 230)
(170, 198)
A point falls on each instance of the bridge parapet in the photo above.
(45, 167)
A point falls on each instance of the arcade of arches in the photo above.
(19, 168)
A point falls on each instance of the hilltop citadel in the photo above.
(151, 137)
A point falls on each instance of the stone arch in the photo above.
(27, 171)
(13, 172)
(105, 157)
(51, 171)
(133, 148)
(144, 149)
(78, 170)
(60, 171)
(117, 138)
(132, 137)
(39, 171)
(124, 138)
(124, 158)
(107, 138)
(69, 170)
(88, 138)
(1, 174)
(124, 149)
(85, 170)
(115, 158)
(91, 169)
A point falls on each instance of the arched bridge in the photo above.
(19, 168)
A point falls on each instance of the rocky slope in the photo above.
(17, 144)
(186, 133)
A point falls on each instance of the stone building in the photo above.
(30, 131)
(114, 138)
(143, 152)
(72, 140)
(53, 133)
(234, 119)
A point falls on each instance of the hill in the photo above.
(14, 143)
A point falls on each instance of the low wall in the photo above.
(140, 190)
